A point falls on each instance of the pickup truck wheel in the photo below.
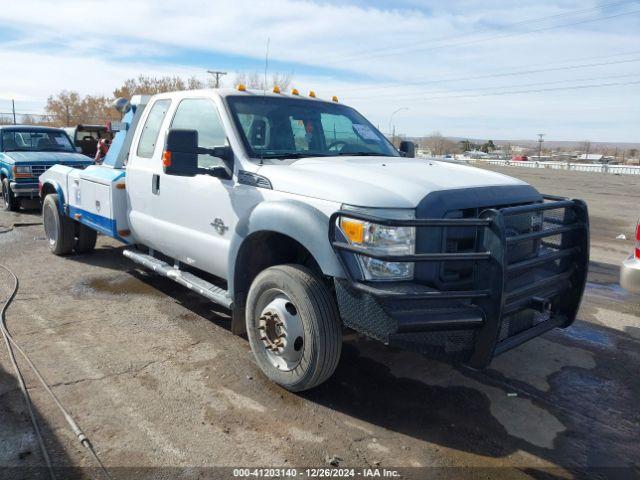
(11, 203)
(87, 237)
(59, 229)
(293, 327)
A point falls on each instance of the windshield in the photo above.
(274, 127)
(36, 141)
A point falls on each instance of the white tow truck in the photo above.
(301, 218)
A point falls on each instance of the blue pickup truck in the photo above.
(26, 152)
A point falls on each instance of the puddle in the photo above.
(119, 285)
(582, 332)
(609, 291)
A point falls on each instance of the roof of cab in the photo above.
(229, 92)
(33, 128)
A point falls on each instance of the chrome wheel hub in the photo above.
(281, 333)
(50, 226)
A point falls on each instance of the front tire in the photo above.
(293, 327)
(58, 228)
(11, 203)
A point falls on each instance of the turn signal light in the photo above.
(353, 229)
(166, 159)
(638, 240)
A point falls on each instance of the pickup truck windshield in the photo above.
(284, 128)
(36, 141)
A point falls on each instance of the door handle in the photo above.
(155, 184)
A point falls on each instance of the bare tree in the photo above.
(70, 108)
(144, 85)
(255, 81)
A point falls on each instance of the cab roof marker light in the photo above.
(335, 99)
(312, 94)
(241, 88)
(295, 91)
(276, 89)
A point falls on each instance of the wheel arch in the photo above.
(277, 233)
(51, 186)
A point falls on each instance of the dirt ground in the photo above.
(164, 390)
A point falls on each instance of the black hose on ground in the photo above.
(11, 343)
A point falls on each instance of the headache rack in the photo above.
(546, 283)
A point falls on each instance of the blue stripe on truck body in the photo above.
(103, 225)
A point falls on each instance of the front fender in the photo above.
(4, 172)
(300, 221)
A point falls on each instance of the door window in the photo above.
(201, 114)
(151, 130)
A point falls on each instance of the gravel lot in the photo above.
(155, 378)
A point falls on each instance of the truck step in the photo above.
(192, 282)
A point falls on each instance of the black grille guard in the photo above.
(557, 271)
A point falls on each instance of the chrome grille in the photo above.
(38, 170)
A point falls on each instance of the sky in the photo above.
(470, 69)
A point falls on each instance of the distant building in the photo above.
(591, 157)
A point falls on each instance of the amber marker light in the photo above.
(166, 159)
(353, 229)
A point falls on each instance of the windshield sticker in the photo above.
(365, 132)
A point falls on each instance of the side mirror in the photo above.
(79, 149)
(407, 149)
(180, 156)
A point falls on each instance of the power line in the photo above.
(457, 37)
(403, 49)
(500, 87)
(495, 75)
(574, 87)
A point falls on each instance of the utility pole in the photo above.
(540, 140)
(217, 74)
(13, 108)
(393, 138)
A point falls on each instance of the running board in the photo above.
(198, 285)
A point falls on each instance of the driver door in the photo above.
(195, 218)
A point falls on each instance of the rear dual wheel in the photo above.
(293, 327)
(63, 234)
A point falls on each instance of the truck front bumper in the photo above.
(25, 189)
(511, 299)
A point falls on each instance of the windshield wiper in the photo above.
(285, 156)
(362, 154)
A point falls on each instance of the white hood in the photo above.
(384, 182)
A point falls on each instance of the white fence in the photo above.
(580, 167)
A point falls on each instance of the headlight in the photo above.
(22, 171)
(383, 240)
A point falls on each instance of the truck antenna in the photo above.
(264, 86)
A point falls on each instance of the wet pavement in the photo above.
(155, 379)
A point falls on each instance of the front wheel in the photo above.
(293, 327)
(11, 203)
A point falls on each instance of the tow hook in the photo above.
(541, 304)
